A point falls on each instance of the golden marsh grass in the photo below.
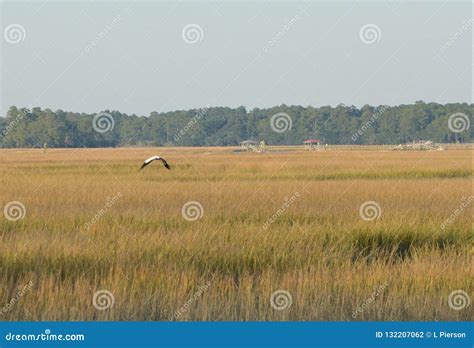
(284, 220)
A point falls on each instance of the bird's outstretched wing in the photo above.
(144, 165)
(151, 159)
(165, 163)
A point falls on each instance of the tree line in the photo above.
(221, 126)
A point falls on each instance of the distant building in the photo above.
(248, 145)
(312, 144)
(419, 145)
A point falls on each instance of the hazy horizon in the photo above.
(138, 57)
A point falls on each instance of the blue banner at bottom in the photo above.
(236, 334)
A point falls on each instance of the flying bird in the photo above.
(154, 158)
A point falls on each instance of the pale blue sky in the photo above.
(255, 54)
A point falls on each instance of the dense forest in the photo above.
(214, 126)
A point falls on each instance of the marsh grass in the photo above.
(319, 249)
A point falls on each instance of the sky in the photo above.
(138, 57)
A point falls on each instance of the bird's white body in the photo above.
(151, 159)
